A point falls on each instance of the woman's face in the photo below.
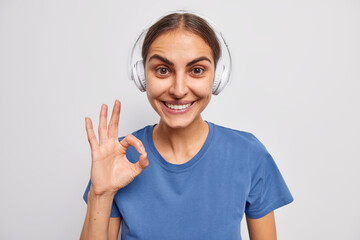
(179, 76)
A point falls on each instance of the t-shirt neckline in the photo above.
(178, 167)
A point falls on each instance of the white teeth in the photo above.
(177, 107)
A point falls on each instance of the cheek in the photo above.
(154, 89)
(203, 90)
(152, 96)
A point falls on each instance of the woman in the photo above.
(183, 178)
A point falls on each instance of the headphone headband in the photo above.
(223, 67)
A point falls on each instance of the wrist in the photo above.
(99, 212)
(103, 195)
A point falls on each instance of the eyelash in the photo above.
(159, 73)
(202, 70)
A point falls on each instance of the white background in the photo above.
(295, 86)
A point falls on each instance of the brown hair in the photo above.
(187, 21)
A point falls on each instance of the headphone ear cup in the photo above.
(218, 78)
(222, 76)
(138, 75)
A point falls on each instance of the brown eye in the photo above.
(197, 71)
(162, 71)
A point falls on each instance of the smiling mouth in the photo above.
(178, 106)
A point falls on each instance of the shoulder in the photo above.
(237, 136)
(243, 140)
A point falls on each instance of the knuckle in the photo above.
(90, 138)
(130, 136)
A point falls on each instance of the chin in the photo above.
(176, 124)
(179, 122)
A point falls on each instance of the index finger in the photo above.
(131, 140)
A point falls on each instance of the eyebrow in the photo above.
(167, 61)
(198, 60)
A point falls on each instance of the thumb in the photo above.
(141, 164)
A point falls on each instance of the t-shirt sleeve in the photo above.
(268, 189)
(114, 209)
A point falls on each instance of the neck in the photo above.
(178, 145)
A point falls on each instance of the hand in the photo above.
(110, 169)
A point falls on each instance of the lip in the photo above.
(179, 102)
(178, 111)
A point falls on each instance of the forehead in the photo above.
(180, 43)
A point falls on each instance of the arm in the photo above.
(98, 223)
(114, 228)
(263, 228)
(110, 171)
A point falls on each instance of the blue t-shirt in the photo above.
(204, 198)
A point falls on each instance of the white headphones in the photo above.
(223, 66)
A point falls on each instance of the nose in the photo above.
(179, 87)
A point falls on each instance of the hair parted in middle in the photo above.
(186, 21)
